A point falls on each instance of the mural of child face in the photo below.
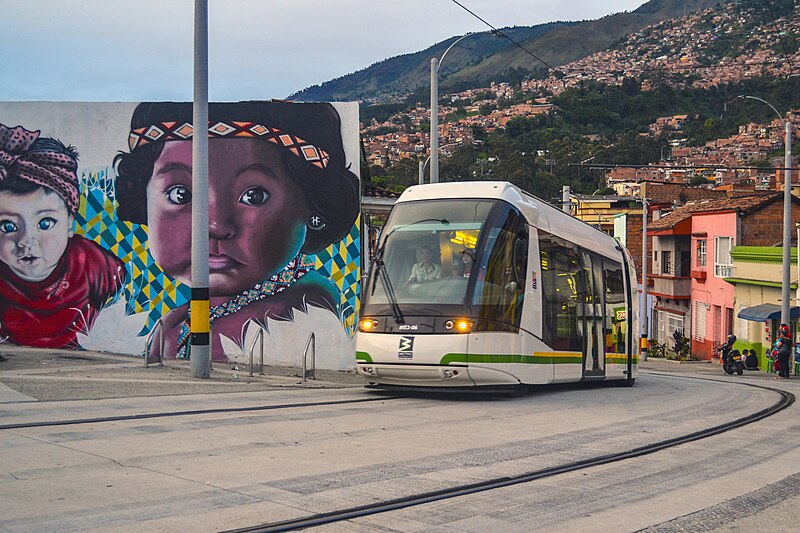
(257, 213)
(35, 228)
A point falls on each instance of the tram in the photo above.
(482, 285)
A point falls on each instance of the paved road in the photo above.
(296, 456)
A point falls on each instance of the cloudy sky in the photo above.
(134, 50)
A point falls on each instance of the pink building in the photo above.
(714, 234)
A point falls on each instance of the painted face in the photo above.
(34, 230)
(256, 213)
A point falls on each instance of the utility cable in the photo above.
(500, 33)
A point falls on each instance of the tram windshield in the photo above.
(451, 256)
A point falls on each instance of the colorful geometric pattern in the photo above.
(341, 263)
(181, 131)
(152, 291)
(149, 289)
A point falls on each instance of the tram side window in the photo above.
(500, 293)
(562, 287)
(616, 327)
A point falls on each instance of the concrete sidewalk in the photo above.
(32, 374)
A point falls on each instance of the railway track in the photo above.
(188, 412)
(785, 400)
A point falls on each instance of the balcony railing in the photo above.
(679, 269)
(723, 271)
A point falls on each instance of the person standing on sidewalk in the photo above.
(784, 351)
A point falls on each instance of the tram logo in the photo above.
(406, 348)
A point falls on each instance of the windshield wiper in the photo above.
(387, 286)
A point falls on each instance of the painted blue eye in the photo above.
(6, 226)
(254, 196)
(46, 223)
(179, 195)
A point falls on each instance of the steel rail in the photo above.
(144, 416)
(786, 399)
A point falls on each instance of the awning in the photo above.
(763, 312)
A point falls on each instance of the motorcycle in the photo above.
(732, 362)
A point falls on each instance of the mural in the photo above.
(283, 229)
(53, 283)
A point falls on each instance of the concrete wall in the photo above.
(284, 232)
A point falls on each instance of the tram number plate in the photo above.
(406, 348)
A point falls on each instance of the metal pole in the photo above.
(787, 230)
(787, 212)
(434, 120)
(565, 201)
(200, 326)
(421, 172)
(643, 306)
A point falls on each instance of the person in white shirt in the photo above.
(426, 269)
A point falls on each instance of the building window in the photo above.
(701, 252)
(666, 262)
(674, 323)
(699, 330)
(723, 263)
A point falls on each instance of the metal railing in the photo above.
(260, 339)
(148, 342)
(309, 373)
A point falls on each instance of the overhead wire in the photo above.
(502, 34)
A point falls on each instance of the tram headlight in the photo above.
(368, 324)
(460, 325)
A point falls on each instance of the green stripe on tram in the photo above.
(538, 358)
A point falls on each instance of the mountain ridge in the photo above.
(478, 59)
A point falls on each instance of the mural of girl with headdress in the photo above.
(279, 190)
(53, 283)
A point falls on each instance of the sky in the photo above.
(141, 50)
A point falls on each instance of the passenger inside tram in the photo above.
(466, 260)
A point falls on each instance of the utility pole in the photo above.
(200, 323)
(787, 230)
(643, 307)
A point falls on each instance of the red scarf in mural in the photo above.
(51, 313)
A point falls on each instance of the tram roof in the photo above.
(536, 211)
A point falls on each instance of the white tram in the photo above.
(541, 298)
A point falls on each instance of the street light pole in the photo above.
(435, 64)
(787, 213)
(435, 120)
(200, 323)
(787, 221)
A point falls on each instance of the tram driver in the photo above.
(425, 269)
